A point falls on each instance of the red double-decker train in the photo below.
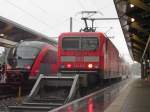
(30, 58)
(89, 54)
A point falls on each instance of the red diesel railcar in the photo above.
(29, 59)
(89, 54)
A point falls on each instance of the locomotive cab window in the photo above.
(71, 43)
(89, 43)
(80, 43)
(27, 52)
(22, 57)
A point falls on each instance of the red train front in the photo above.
(88, 53)
(29, 59)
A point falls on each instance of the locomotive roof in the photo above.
(36, 44)
(80, 33)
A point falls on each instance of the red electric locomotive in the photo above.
(30, 58)
(89, 54)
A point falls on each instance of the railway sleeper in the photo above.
(31, 108)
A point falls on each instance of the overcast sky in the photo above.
(51, 17)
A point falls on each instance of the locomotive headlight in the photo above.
(90, 66)
(8, 66)
(69, 65)
(27, 66)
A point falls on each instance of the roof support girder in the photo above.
(140, 4)
(137, 39)
(7, 42)
(146, 47)
(137, 51)
(138, 46)
(137, 27)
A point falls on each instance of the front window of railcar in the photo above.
(80, 43)
(26, 56)
(22, 57)
(71, 43)
(27, 52)
(89, 43)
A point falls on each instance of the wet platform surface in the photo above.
(134, 98)
(138, 99)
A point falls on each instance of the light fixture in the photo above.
(132, 19)
(90, 66)
(2, 35)
(69, 65)
(131, 5)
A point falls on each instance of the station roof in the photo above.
(12, 33)
(135, 21)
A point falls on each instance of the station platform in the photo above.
(135, 97)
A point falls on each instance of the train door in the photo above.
(53, 62)
(45, 65)
(48, 64)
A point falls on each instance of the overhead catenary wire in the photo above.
(58, 24)
(101, 8)
(37, 19)
(29, 14)
(81, 5)
(39, 7)
(54, 26)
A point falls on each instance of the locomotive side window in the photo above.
(89, 43)
(71, 43)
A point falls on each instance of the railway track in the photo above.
(12, 94)
(52, 92)
(7, 90)
(47, 93)
(8, 93)
(12, 89)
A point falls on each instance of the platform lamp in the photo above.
(143, 62)
(129, 21)
(144, 68)
(132, 5)
(2, 35)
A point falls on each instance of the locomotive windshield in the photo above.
(71, 43)
(19, 57)
(80, 43)
(27, 52)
